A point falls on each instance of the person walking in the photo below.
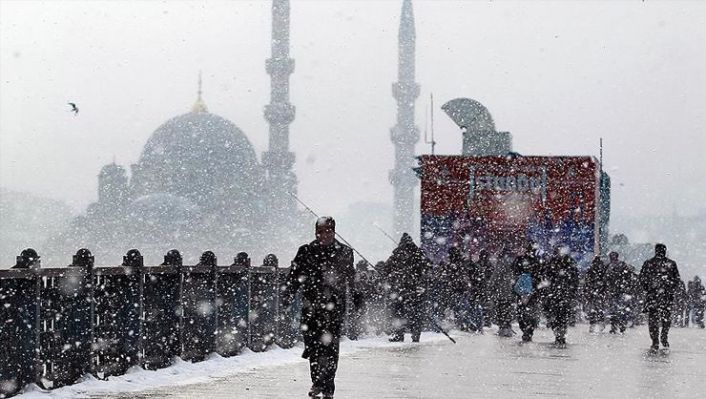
(501, 289)
(323, 270)
(659, 279)
(562, 277)
(406, 269)
(527, 277)
(595, 294)
(619, 294)
(696, 295)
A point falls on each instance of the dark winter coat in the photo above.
(406, 269)
(595, 284)
(503, 279)
(619, 280)
(481, 272)
(562, 277)
(696, 292)
(324, 274)
(659, 278)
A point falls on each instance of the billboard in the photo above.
(491, 202)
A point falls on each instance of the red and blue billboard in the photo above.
(492, 202)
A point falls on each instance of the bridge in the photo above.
(176, 331)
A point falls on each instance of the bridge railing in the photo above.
(57, 324)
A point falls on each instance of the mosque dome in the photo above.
(199, 156)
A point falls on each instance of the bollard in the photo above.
(133, 258)
(241, 259)
(270, 261)
(172, 258)
(28, 259)
(83, 258)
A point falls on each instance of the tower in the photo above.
(404, 134)
(279, 113)
(112, 186)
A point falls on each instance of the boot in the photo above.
(396, 338)
(314, 391)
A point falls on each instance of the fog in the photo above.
(558, 76)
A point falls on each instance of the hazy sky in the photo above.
(558, 75)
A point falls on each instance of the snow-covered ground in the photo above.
(186, 373)
(479, 366)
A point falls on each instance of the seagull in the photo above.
(74, 108)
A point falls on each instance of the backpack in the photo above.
(523, 286)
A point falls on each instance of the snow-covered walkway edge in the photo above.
(216, 366)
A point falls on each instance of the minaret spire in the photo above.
(279, 113)
(405, 134)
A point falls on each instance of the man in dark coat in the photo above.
(405, 269)
(528, 266)
(619, 293)
(595, 293)
(659, 279)
(562, 277)
(696, 300)
(323, 269)
(501, 289)
(480, 281)
(461, 273)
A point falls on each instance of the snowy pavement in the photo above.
(479, 366)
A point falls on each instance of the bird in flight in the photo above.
(74, 108)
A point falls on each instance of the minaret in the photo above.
(405, 134)
(279, 113)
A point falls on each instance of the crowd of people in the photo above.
(409, 293)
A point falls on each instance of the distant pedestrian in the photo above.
(501, 289)
(562, 277)
(619, 293)
(527, 278)
(680, 306)
(659, 278)
(481, 284)
(323, 269)
(406, 269)
(458, 277)
(697, 301)
(595, 294)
